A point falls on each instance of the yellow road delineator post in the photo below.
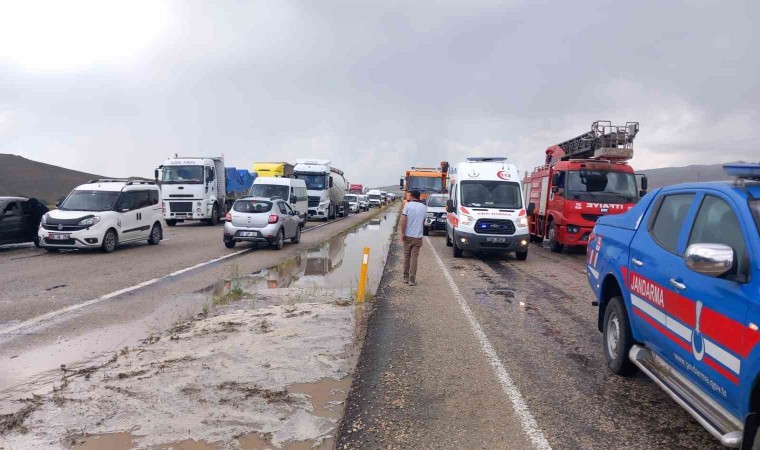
(363, 276)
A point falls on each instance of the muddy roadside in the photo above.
(266, 365)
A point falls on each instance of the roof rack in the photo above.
(126, 181)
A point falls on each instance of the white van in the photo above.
(291, 190)
(486, 208)
(103, 214)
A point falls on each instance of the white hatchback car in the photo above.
(103, 214)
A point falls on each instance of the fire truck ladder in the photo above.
(603, 135)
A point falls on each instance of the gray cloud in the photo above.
(377, 87)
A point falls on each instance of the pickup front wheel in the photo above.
(617, 338)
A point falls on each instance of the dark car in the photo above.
(20, 219)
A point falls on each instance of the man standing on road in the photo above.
(412, 224)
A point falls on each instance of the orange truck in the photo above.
(426, 180)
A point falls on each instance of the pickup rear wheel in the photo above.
(618, 338)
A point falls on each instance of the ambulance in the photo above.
(486, 209)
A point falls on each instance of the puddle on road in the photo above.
(324, 274)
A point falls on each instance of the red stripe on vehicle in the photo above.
(751, 339)
(453, 220)
(715, 365)
(675, 305)
(658, 326)
(723, 330)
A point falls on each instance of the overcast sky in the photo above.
(116, 87)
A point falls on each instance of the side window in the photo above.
(26, 208)
(128, 201)
(716, 223)
(11, 209)
(668, 223)
(143, 199)
(454, 195)
(282, 207)
(209, 174)
(153, 197)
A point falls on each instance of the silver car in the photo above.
(256, 219)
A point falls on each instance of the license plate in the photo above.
(248, 234)
(59, 237)
(496, 240)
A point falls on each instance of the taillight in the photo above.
(522, 213)
(228, 217)
(274, 218)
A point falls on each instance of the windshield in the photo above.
(183, 174)
(424, 184)
(754, 206)
(592, 185)
(314, 181)
(491, 194)
(351, 198)
(374, 196)
(270, 190)
(252, 206)
(90, 201)
(436, 201)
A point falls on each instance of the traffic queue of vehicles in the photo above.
(677, 283)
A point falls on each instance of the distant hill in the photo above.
(26, 178)
(393, 189)
(674, 175)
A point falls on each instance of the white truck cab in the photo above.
(104, 214)
(193, 188)
(486, 209)
(375, 198)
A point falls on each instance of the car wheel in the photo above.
(297, 238)
(618, 338)
(230, 244)
(110, 241)
(456, 250)
(155, 235)
(522, 256)
(171, 223)
(425, 231)
(280, 241)
(214, 220)
(554, 246)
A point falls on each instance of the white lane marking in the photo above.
(593, 272)
(527, 421)
(68, 309)
(56, 313)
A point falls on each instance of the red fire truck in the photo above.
(582, 179)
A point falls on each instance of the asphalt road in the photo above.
(77, 308)
(426, 379)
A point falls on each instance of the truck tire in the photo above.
(554, 246)
(214, 220)
(171, 222)
(448, 240)
(617, 338)
(522, 256)
(457, 252)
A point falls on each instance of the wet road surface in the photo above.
(538, 318)
(32, 355)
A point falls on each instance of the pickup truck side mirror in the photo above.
(531, 209)
(712, 260)
(450, 206)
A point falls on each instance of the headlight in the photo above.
(522, 222)
(89, 221)
(44, 219)
(466, 220)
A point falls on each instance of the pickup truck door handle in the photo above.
(636, 262)
(676, 284)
